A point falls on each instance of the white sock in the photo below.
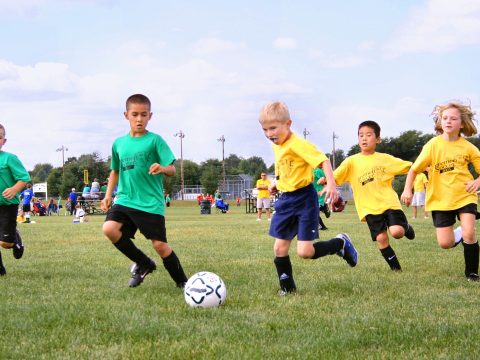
(457, 234)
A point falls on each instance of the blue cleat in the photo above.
(348, 251)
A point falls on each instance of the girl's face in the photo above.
(451, 122)
(367, 140)
(276, 131)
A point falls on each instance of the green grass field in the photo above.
(68, 298)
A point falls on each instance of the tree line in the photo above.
(209, 173)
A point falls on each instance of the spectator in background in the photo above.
(72, 197)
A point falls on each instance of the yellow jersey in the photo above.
(263, 194)
(295, 160)
(449, 172)
(420, 183)
(370, 177)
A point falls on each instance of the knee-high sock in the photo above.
(285, 273)
(174, 268)
(391, 258)
(128, 248)
(470, 253)
(328, 247)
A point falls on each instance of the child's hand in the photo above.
(322, 181)
(106, 204)
(331, 194)
(472, 186)
(9, 193)
(406, 198)
(272, 188)
(155, 169)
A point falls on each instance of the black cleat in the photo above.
(348, 251)
(140, 271)
(473, 277)
(409, 232)
(181, 285)
(18, 247)
(3, 271)
(327, 211)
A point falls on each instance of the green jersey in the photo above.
(132, 158)
(318, 174)
(11, 171)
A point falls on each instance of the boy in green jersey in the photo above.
(140, 159)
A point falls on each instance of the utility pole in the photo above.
(181, 135)
(335, 136)
(305, 133)
(222, 140)
(63, 149)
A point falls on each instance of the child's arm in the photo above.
(330, 189)
(407, 195)
(156, 168)
(112, 182)
(10, 192)
(473, 185)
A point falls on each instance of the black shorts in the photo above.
(380, 223)
(447, 218)
(8, 222)
(152, 226)
(26, 208)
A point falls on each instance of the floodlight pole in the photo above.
(305, 133)
(222, 140)
(335, 136)
(181, 135)
(63, 149)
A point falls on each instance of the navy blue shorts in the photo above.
(447, 218)
(152, 226)
(296, 214)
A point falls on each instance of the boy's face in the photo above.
(138, 115)
(3, 140)
(367, 140)
(276, 131)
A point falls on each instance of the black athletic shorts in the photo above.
(447, 218)
(26, 208)
(152, 226)
(380, 223)
(8, 222)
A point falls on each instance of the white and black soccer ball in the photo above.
(205, 289)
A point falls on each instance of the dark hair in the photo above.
(138, 99)
(371, 124)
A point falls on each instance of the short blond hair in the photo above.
(3, 128)
(276, 111)
(466, 114)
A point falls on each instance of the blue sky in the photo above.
(66, 68)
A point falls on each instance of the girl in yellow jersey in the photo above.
(370, 174)
(296, 210)
(452, 190)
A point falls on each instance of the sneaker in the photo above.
(348, 251)
(258, 219)
(324, 228)
(3, 271)
(18, 247)
(410, 233)
(282, 292)
(473, 277)
(140, 271)
(327, 211)
(181, 284)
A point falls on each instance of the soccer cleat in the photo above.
(18, 246)
(181, 284)
(327, 211)
(3, 271)
(410, 233)
(282, 292)
(473, 277)
(140, 271)
(348, 251)
(258, 219)
(323, 228)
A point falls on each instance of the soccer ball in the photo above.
(205, 289)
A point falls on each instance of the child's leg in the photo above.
(170, 262)
(321, 223)
(3, 271)
(470, 246)
(284, 265)
(414, 212)
(340, 245)
(113, 231)
(387, 252)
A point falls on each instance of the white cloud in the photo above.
(215, 45)
(337, 62)
(285, 43)
(440, 27)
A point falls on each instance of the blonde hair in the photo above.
(466, 114)
(3, 128)
(275, 111)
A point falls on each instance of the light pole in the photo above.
(63, 149)
(335, 136)
(181, 135)
(305, 133)
(222, 140)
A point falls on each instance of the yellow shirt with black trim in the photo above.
(295, 160)
(263, 194)
(420, 183)
(449, 172)
(370, 177)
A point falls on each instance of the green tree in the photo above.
(211, 176)
(54, 182)
(252, 166)
(40, 172)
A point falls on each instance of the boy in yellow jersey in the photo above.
(452, 190)
(263, 196)
(419, 186)
(371, 174)
(296, 210)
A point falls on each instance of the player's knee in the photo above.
(304, 253)
(6, 245)
(111, 231)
